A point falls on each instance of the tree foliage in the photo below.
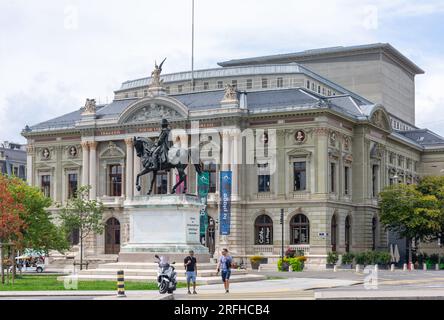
(407, 211)
(11, 223)
(82, 214)
(40, 232)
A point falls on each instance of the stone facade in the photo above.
(345, 145)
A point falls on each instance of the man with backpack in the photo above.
(224, 266)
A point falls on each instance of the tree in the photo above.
(410, 213)
(434, 185)
(40, 232)
(84, 215)
(11, 224)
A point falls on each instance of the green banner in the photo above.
(203, 184)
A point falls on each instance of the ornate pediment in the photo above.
(112, 151)
(153, 112)
(380, 119)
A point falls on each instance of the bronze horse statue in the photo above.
(177, 159)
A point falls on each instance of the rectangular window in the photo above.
(115, 180)
(46, 185)
(263, 178)
(332, 177)
(264, 83)
(308, 84)
(319, 89)
(145, 93)
(375, 189)
(135, 94)
(167, 90)
(280, 82)
(220, 84)
(15, 171)
(300, 176)
(346, 180)
(249, 84)
(179, 88)
(312, 86)
(72, 185)
(162, 183)
(126, 95)
(211, 168)
(234, 83)
(206, 86)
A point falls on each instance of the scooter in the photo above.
(166, 276)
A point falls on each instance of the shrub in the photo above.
(433, 259)
(347, 258)
(332, 258)
(295, 263)
(383, 257)
(302, 258)
(364, 258)
(290, 253)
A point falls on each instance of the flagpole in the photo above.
(192, 45)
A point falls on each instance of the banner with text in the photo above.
(225, 202)
(203, 185)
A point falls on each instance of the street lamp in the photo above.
(282, 240)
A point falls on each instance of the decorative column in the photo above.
(321, 160)
(136, 169)
(92, 169)
(225, 150)
(129, 168)
(235, 162)
(30, 164)
(85, 163)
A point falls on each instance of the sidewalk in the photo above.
(381, 294)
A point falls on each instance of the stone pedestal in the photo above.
(167, 225)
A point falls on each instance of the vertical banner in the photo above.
(225, 202)
(203, 185)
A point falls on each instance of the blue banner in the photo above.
(203, 184)
(225, 202)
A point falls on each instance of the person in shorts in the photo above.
(190, 264)
(224, 266)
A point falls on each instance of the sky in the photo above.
(55, 54)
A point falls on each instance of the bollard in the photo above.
(404, 267)
(376, 267)
(392, 267)
(424, 267)
(437, 267)
(335, 268)
(120, 284)
(357, 268)
(412, 266)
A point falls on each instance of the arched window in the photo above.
(374, 230)
(334, 232)
(263, 226)
(347, 234)
(300, 230)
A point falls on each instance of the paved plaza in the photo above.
(344, 284)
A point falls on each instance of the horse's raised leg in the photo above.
(144, 171)
(152, 182)
(181, 172)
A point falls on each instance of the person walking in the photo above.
(190, 264)
(224, 266)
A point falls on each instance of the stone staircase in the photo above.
(143, 271)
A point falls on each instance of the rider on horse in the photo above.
(160, 153)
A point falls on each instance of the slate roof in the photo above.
(307, 54)
(423, 137)
(257, 101)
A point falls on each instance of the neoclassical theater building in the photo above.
(342, 121)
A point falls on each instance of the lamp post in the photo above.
(282, 240)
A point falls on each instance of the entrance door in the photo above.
(211, 236)
(112, 236)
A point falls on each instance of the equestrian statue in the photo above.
(161, 155)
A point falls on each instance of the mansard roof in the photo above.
(262, 101)
(424, 137)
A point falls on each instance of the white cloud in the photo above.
(53, 55)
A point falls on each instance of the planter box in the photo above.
(329, 266)
(255, 265)
(347, 266)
